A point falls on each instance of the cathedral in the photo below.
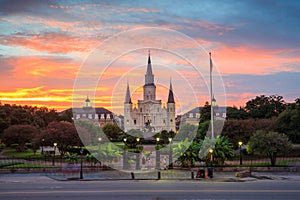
(149, 115)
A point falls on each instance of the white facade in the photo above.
(149, 115)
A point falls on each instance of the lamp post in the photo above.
(211, 155)
(43, 140)
(125, 163)
(170, 156)
(81, 171)
(157, 154)
(137, 165)
(137, 143)
(210, 169)
(53, 160)
(240, 147)
(99, 140)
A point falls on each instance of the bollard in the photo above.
(132, 175)
(192, 175)
(210, 172)
(158, 175)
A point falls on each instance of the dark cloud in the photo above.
(9, 7)
(283, 83)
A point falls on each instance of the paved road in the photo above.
(41, 187)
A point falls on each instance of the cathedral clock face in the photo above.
(168, 81)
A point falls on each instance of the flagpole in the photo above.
(211, 98)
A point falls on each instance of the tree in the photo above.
(265, 107)
(205, 113)
(235, 113)
(64, 134)
(19, 134)
(269, 143)
(14, 115)
(67, 116)
(164, 136)
(242, 130)
(202, 130)
(288, 122)
(112, 131)
(92, 128)
(131, 137)
(187, 153)
(187, 131)
(223, 150)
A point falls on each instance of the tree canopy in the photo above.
(19, 134)
(269, 143)
(288, 122)
(265, 107)
(64, 134)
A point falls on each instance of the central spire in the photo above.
(149, 77)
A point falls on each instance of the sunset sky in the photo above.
(45, 44)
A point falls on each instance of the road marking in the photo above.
(148, 191)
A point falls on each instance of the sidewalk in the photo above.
(176, 175)
(171, 175)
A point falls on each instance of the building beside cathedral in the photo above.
(149, 115)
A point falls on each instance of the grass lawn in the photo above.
(28, 153)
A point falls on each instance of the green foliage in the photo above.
(112, 131)
(131, 137)
(236, 113)
(223, 150)
(187, 131)
(22, 155)
(288, 122)
(202, 130)
(71, 157)
(108, 152)
(242, 130)
(29, 115)
(186, 152)
(164, 136)
(205, 113)
(93, 131)
(265, 107)
(269, 143)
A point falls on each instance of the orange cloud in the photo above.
(249, 60)
(49, 42)
(43, 66)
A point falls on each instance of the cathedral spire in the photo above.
(171, 95)
(128, 97)
(149, 77)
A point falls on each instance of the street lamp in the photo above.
(211, 154)
(99, 140)
(240, 146)
(137, 142)
(53, 161)
(43, 140)
(137, 165)
(170, 156)
(81, 171)
(157, 154)
(125, 163)
(210, 169)
(157, 142)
